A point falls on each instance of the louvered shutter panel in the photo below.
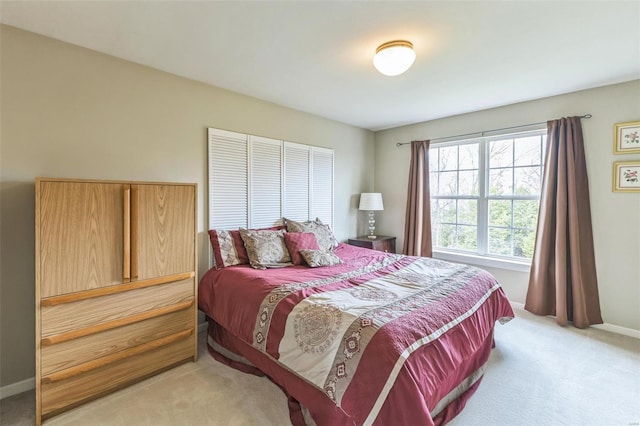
(322, 184)
(254, 181)
(296, 181)
(265, 169)
(228, 186)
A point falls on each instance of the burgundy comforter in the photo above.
(380, 339)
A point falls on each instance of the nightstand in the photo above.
(380, 243)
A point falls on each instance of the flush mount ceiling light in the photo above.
(394, 57)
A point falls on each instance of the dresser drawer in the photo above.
(74, 317)
(65, 394)
(70, 353)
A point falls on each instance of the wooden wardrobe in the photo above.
(115, 286)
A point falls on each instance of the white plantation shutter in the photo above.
(265, 169)
(228, 184)
(254, 181)
(296, 181)
(322, 184)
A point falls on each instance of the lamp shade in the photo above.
(371, 201)
(394, 57)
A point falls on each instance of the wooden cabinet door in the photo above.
(163, 230)
(81, 236)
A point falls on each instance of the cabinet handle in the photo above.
(135, 235)
(126, 234)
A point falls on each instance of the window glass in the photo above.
(447, 209)
(468, 182)
(525, 213)
(447, 236)
(501, 153)
(526, 180)
(501, 181)
(468, 212)
(500, 241)
(448, 183)
(469, 156)
(491, 211)
(467, 238)
(500, 213)
(449, 158)
(433, 160)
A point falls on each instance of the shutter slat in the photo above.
(228, 186)
(322, 185)
(266, 182)
(297, 173)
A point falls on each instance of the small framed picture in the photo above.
(626, 176)
(626, 138)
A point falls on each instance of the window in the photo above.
(485, 195)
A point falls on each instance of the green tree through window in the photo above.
(485, 194)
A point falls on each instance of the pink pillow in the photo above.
(297, 241)
(228, 247)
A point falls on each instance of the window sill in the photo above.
(477, 260)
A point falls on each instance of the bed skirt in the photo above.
(229, 350)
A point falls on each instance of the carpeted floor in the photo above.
(539, 374)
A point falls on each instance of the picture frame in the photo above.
(626, 138)
(626, 176)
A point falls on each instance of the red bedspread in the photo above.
(380, 339)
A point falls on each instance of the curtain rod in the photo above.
(587, 116)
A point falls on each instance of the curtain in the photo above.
(417, 225)
(563, 272)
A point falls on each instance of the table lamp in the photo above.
(371, 201)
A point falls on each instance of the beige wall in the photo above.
(71, 112)
(616, 216)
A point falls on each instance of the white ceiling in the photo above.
(316, 56)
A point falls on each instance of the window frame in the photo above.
(482, 256)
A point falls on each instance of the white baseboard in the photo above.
(517, 305)
(618, 330)
(606, 327)
(16, 388)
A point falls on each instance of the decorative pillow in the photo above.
(266, 249)
(297, 241)
(317, 258)
(228, 247)
(324, 235)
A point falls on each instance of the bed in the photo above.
(379, 339)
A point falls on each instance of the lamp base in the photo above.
(372, 225)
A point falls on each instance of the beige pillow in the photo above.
(266, 249)
(317, 258)
(324, 235)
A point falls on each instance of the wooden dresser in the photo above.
(380, 243)
(115, 286)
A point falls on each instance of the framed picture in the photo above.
(626, 138)
(626, 176)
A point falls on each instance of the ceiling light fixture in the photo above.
(394, 57)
